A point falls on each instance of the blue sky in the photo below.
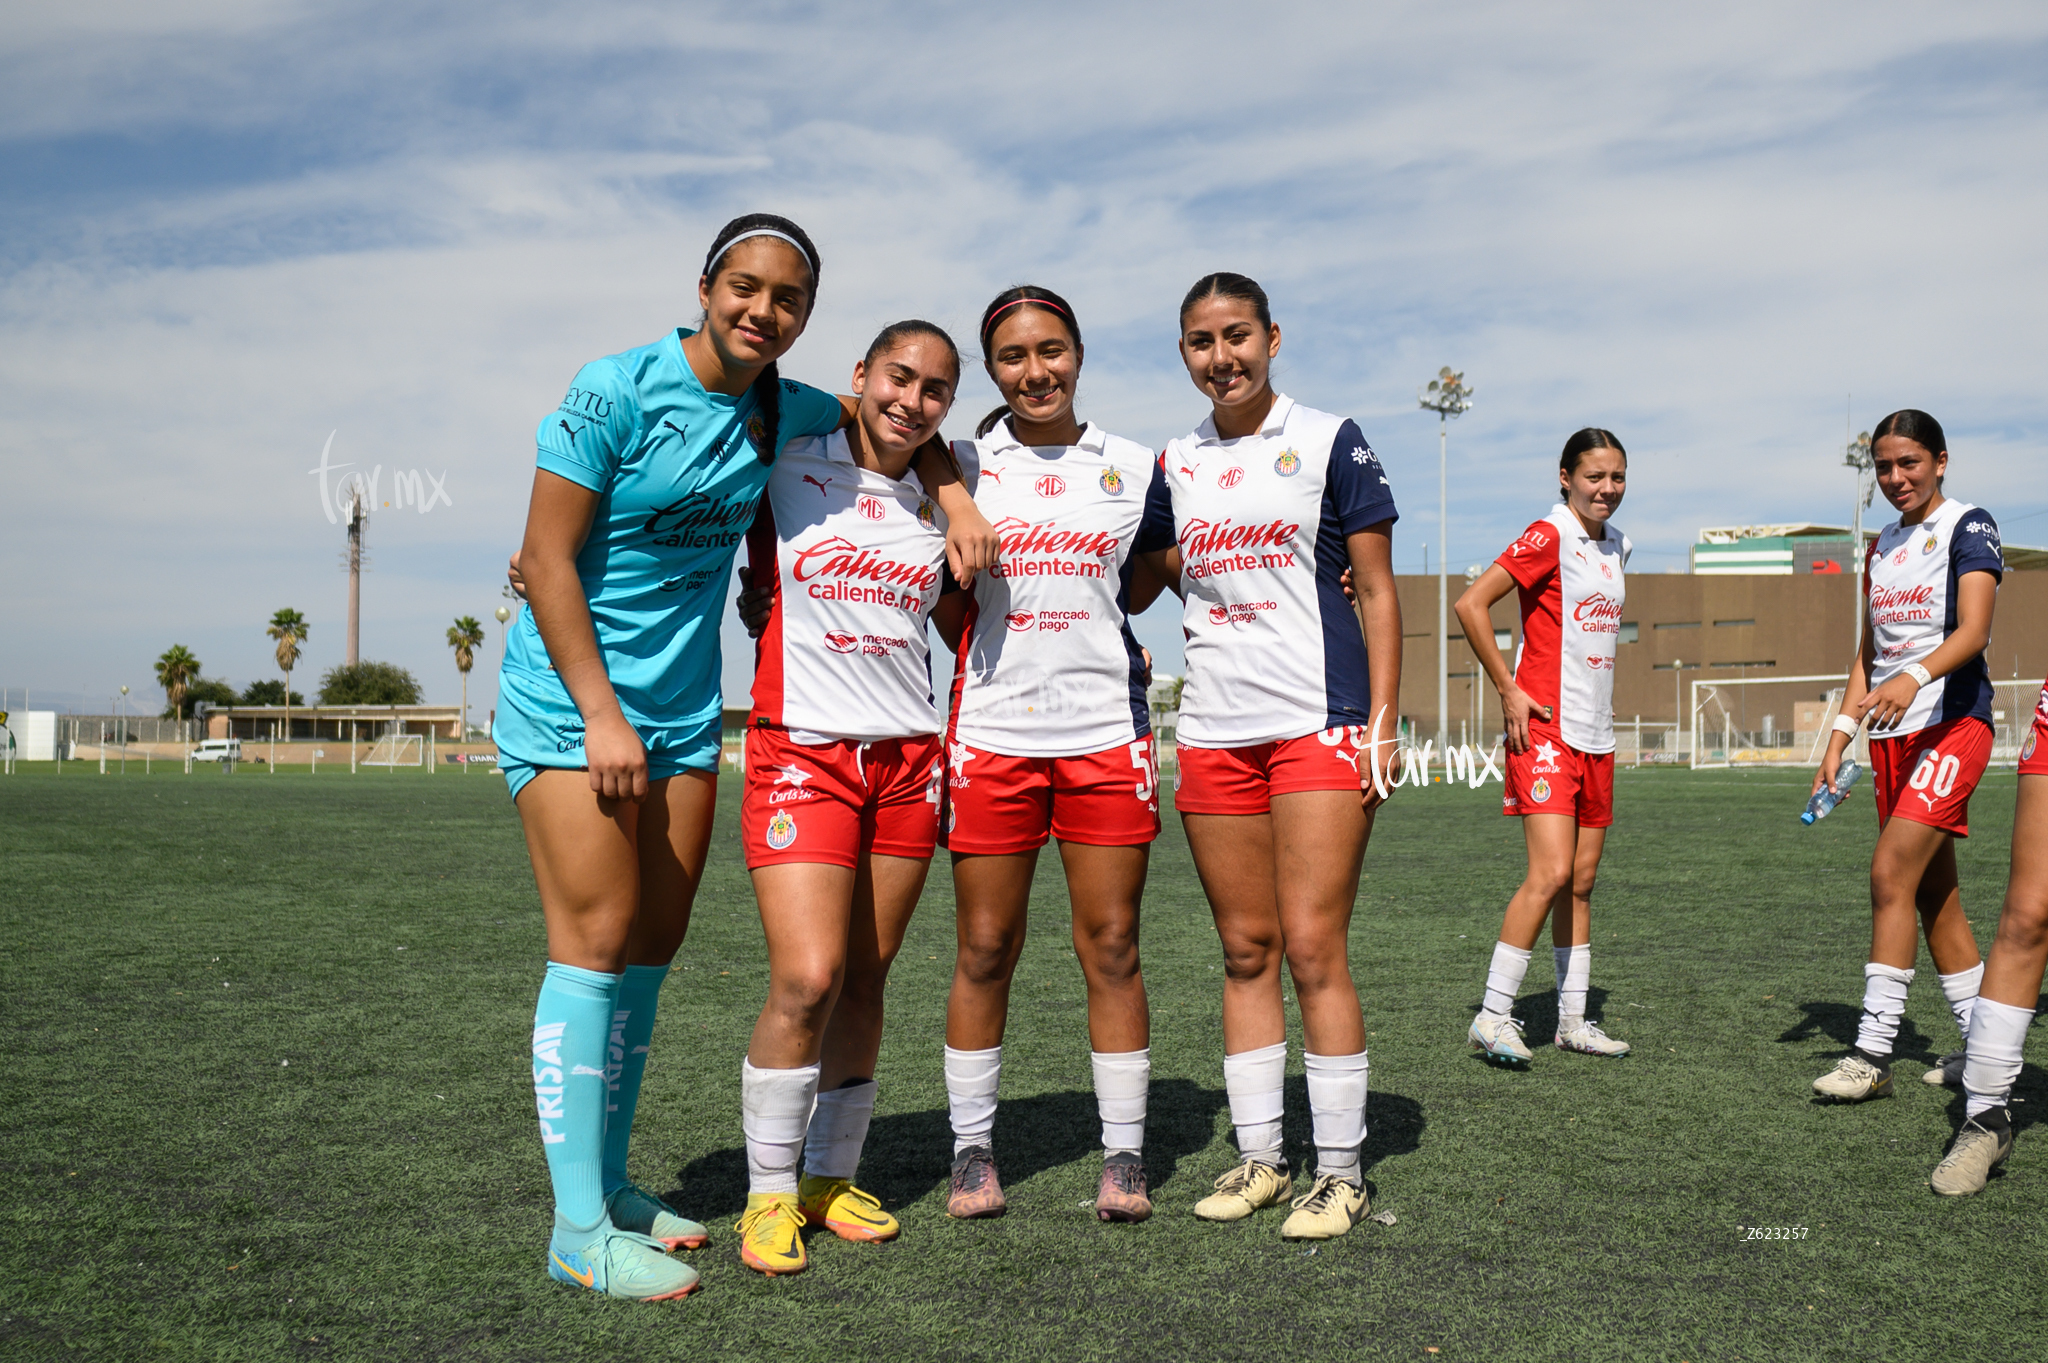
(233, 228)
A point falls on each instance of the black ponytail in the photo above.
(1224, 284)
(1585, 441)
(991, 421)
(765, 428)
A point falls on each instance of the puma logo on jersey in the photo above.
(816, 484)
(677, 429)
(996, 474)
(1189, 471)
(572, 433)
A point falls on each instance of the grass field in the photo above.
(270, 1100)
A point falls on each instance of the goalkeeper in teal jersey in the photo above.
(608, 718)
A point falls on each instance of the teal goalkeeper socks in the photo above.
(571, 1032)
(632, 1027)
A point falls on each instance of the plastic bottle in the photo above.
(1824, 799)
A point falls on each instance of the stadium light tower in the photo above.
(358, 513)
(1447, 396)
(1858, 456)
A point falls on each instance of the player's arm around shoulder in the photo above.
(1157, 547)
(972, 545)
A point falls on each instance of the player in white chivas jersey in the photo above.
(1921, 683)
(2012, 983)
(1051, 738)
(841, 803)
(1286, 725)
(1558, 709)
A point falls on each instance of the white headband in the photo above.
(749, 235)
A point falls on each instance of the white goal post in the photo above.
(396, 750)
(1785, 721)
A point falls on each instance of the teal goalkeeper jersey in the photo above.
(677, 478)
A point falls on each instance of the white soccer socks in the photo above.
(571, 1030)
(971, 1078)
(1504, 977)
(626, 1062)
(1884, 1003)
(1254, 1080)
(1574, 973)
(1960, 989)
(839, 1128)
(1123, 1080)
(1336, 1104)
(1997, 1032)
(775, 1113)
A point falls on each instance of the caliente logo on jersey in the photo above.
(1288, 464)
(781, 830)
(1111, 482)
(839, 557)
(1049, 485)
(872, 508)
(1598, 614)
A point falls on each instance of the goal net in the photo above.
(1786, 721)
(396, 750)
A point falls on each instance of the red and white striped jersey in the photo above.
(1571, 594)
(1048, 666)
(856, 562)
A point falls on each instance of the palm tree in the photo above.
(465, 636)
(175, 671)
(289, 628)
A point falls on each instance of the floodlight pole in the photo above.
(1858, 456)
(1447, 396)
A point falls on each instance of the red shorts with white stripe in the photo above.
(1928, 777)
(2034, 748)
(834, 802)
(998, 805)
(1552, 777)
(1243, 780)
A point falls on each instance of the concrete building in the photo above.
(336, 722)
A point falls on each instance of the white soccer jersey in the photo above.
(1571, 591)
(1274, 651)
(858, 561)
(1048, 666)
(1910, 583)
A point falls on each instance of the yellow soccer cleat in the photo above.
(848, 1212)
(770, 1242)
(1327, 1210)
(1244, 1190)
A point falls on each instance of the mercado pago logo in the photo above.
(419, 488)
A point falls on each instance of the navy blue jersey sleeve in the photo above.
(1975, 548)
(1155, 530)
(1358, 486)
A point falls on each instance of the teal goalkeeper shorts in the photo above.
(527, 747)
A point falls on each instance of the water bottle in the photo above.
(1824, 799)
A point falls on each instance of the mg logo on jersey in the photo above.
(871, 507)
(1049, 485)
(839, 641)
(1230, 477)
(1607, 570)
(1899, 558)
(1019, 620)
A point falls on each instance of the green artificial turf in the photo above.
(270, 1100)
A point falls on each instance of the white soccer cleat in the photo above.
(1586, 1038)
(1947, 1071)
(1499, 1035)
(1980, 1147)
(1853, 1079)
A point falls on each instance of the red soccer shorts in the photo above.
(832, 803)
(1927, 777)
(1552, 777)
(998, 805)
(1243, 780)
(2034, 747)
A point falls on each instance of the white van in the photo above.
(222, 750)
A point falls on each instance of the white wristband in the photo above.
(1917, 673)
(1846, 725)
